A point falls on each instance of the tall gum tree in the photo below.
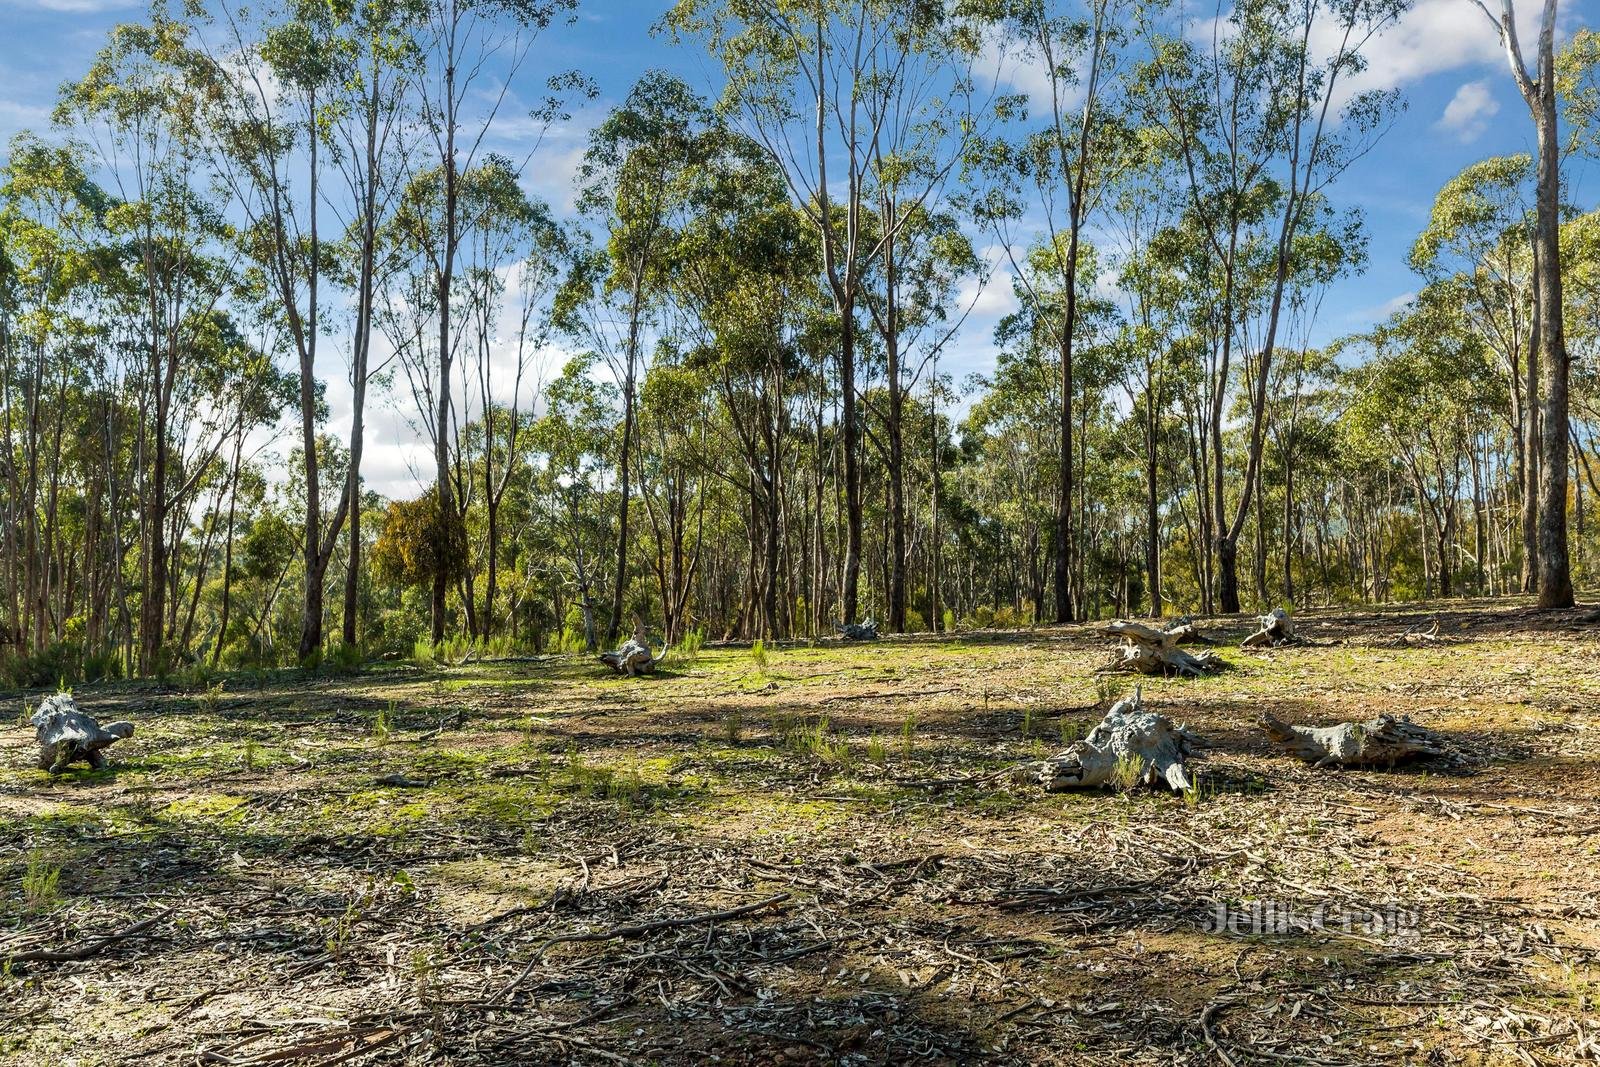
(1538, 90)
(816, 84)
(1257, 112)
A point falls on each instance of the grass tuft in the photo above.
(41, 883)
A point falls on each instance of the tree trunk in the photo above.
(850, 592)
(1555, 579)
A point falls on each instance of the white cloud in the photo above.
(1469, 111)
(990, 299)
(1008, 63)
(1431, 37)
(16, 117)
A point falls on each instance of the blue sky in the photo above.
(1444, 56)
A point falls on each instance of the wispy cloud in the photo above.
(1469, 111)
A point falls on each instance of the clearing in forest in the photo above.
(806, 856)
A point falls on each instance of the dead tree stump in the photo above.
(1385, 740)
(67, 735)
(631, 659)
(1276, 628)
(1130, 746)
(1147, 650)
(858, 631)
(634, 657)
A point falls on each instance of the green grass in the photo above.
(1127, 772)
(815, 739)
(41, 882)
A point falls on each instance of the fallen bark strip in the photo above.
(623, 933)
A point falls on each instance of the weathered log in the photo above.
(858, 631)
(1276, 628)
(1128, 747)
(67, 735)
(1383, 740)
(1147, 650)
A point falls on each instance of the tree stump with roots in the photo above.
(1276, 628)
(1130, 746)
(1383, 741)
(67, 735)
(634, 657)
(1147, 650)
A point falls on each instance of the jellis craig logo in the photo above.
(1277, 917)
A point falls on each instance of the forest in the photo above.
(785, 532)
(710, 397)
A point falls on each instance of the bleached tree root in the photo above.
(1276, 628)
(858, 631)
(1147, 650)
(1130, 746)
(1385, 740)
(67, 735)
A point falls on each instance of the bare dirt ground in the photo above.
(809, 860)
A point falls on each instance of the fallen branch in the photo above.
(1128, 747)
(858, 631)
(623, 933)
(1276, 628)
(634, 657)
(67, 735)
(86, 949)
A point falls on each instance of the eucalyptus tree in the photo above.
(52, 262)
(512, 264)
(1538, 90)
(1255, 108)
(269, 88)
(1061, 167)
(674, 477)
(818, 86)
(636, 186)
(746, 280)
(369, 139)
(1418, 400)
(914, 300)
(572, 435)
(472, 51)
(1152, 329)
(1477, 244)
(504, 224)
(138, 114)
